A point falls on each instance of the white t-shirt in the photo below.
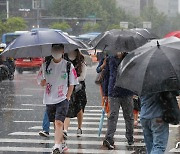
(56, 81)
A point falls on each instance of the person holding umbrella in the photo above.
(152, 71)
(59, 77)
(155, 129)
(118, 97)
(102, 68)
(102, 80)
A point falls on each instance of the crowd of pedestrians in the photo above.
(63, 76)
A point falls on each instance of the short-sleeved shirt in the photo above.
(57, 81)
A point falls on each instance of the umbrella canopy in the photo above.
(145, 33)
(38, 44)
(84, 47)
(118, 40)
(154, 67)
(175, 33)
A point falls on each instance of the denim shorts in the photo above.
(58, 111)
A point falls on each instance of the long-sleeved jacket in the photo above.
(112, 68)
(106, 76)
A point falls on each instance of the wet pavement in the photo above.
(21, 113)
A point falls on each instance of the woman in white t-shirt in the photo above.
(79, 100)
(59, 82)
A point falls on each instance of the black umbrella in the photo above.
(145, 33)
(154, 67)
(118, 40)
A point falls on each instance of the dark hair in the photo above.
(124, 55)
(48, 61)
(77, 62)
(57, 46)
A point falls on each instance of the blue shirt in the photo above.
(150, 106)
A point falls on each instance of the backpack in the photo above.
(169, 104)
(68, 68)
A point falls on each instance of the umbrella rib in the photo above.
(146, 68)
(171, 62)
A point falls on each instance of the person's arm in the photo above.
(83, 73)
(99, 67)
(69, 93)
(40, 78)
(105, 83)
(112, 75)
(73, 80)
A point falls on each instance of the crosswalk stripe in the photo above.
(34, 89)
(86, 129)
(20, 95)
(33, 149)
(73, 122)
(70, 142)
(16, 109)
(34, 105)
(45, 105)
(175, 150)
(71, 134)
(174, 126)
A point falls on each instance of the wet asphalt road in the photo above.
(21, 113)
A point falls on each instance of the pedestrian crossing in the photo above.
(29, 141)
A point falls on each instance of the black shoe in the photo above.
(131, 142)
(56, 151)
(44, 134)
(109, 144)
(79, 132)
(65, 135)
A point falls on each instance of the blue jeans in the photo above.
(156, 133)
(46, 122)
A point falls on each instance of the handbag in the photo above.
(100, 77)
(171, 111)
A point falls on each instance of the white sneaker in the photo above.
(56, 150)
(79, 132)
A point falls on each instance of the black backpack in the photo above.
(169, 104)
(68, 68)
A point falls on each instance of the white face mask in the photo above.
(57, 55)
(72, 58)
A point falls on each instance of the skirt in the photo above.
(78, 102)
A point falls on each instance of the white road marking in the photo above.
(33, 89)
(7, 140)
(16, 109)
(175, 150)
(34, 105)
(86, 129)
(72, 134)
(73, 122)
(33, 149)
(20, 95)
